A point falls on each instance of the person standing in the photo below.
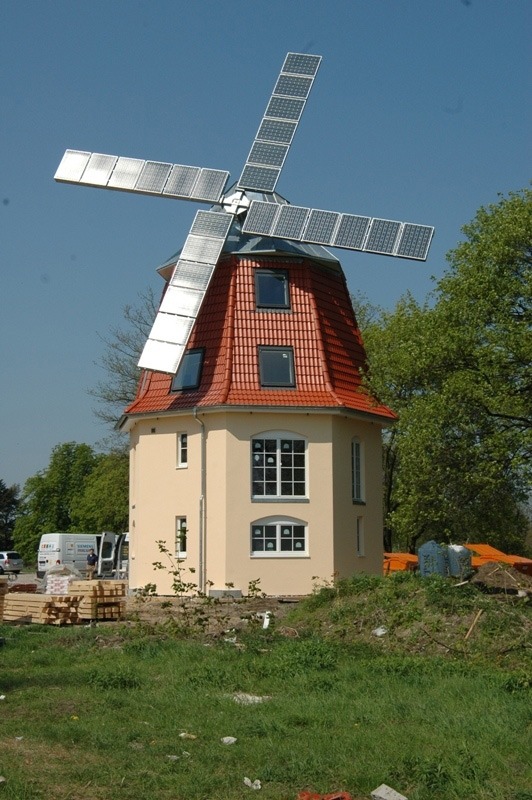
(92, 563)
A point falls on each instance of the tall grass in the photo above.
(96, 714)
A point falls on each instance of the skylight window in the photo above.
(271, 288)
(276, 366)
(189, 373)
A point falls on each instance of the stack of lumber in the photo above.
(47, 609)
(86, 600)
(100, 599)
(3, 592)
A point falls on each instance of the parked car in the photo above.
(2, 572)
(11, 561)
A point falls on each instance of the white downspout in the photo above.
(202, 578)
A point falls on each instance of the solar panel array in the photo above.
(333, 229)
(187, 287)
(146, 177)
(278, 126)
(183, 298)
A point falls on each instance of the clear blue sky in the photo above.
(420, 112)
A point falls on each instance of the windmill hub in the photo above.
(236, 203)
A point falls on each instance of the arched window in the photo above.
(281, 537)
(278, 466)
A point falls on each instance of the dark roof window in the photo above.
(271, 288)
(188, 375)
(276, 366)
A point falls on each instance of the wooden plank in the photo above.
(54, 609)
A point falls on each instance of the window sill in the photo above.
(359, 502)
(280, 500)
(273, 309)
(279, 555)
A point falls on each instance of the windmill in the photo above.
(252, 202)
(254, 444)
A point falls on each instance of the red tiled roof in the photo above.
(320, 326)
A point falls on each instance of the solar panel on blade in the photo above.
(125, 173)
(192, 275)
(98, 170)
(181, 180)
(415, 241)
(153, 176)
(290, 222)
(260, 218)
(382, 235)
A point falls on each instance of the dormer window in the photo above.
(271, 289)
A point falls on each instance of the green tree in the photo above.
(8, 508)
(457, 464)
(485, 306)
(103, 504)
(47, 497)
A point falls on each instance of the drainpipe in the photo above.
(202, 578)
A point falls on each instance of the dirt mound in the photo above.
(212, 617)
(502, 577)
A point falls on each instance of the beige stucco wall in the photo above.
(160, 492)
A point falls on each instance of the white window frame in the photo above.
(182, 450)
(278, 523)
(180, 551)
(357, 471)
(280, 437)
(359, 533)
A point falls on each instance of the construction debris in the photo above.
(495, 577)
(384, 792)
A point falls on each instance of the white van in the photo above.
(113, 555)
(66, 548)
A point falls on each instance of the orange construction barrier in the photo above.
(485, 553)
(396, 562)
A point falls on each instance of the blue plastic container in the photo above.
(459, 561)
(433, 559)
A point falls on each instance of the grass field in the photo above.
(137, 711)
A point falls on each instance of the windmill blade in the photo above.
(187, 287)
(278, 126)
(145, 177)
(333, 229)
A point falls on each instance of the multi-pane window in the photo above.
(271, 288)
(276, 366)
(278, 467)
(278, 537)
(182, 449)
(188, 375)
(180, 537)
(357, 471)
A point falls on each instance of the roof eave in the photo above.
(127, 421)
